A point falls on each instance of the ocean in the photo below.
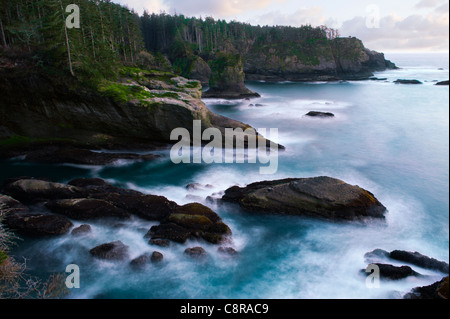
(390, 139)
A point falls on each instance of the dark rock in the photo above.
(35, 224)
(79, 156)
(420, 260)
(194, 186)
(377, 79)
(86, 209)
(159, 242)
(319, 197)
(227, 251)
(156, 257)
(443, 83)
(395, 273)
(169, 231)
(402, 81)
(376, 255)
(82, 230)
(140, 261)
(11, 206)
(320, 114)
(33, 190)
(439, 290)
(195, 252)
(149, 207)
(110, 251)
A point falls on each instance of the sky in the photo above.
(383, 25)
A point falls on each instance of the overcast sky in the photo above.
(383, 25)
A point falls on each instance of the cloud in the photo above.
(217, 8)
(415, 32)
(428, 3)
(313, 16)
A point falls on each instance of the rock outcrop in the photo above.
(137, 112)
(323, 197)
(227, 78)
(313, 60)
(443, 83)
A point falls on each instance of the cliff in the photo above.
(313, 60)
(136, 112)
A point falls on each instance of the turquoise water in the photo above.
(390, 139)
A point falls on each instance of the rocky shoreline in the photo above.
(41, 208)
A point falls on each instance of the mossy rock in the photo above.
(198, 209)
(197, 222)
(3, 257)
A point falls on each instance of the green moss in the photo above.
(3, 257)
(191, 221)
(192, 85)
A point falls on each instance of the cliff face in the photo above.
(313, 60)
(144, 107)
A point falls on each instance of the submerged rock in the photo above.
(195, 252)
(111, 251)
(324, 197)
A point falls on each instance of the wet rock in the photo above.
(391, 272)
(111, 251)
(169, 231)
(11, 206)
(79, 156)
(140, 261)
(319, 114)
(227, 251)
(156, 257)
(323, 197)
(33, 190)
(375, 255)
(148, 207)
(195, 252)
(159, 242)
(35, 224)
(403, 81)
(420, 260)
(86, 209)
(82, 230)
(438, 290)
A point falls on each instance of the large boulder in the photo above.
(111, 251)
(324, 197)
(34, 190)
(192, 220)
